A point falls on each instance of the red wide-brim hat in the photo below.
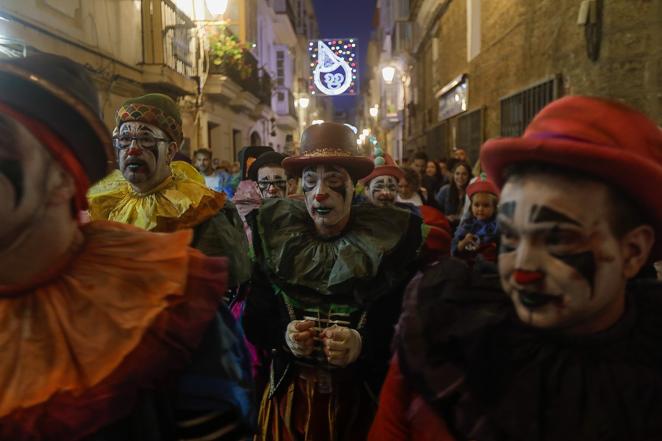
(603, 139)
(329, 144)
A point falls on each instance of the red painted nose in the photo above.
(528, 277)
(134, 151)
(321, 197)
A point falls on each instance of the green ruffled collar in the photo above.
(371, 256)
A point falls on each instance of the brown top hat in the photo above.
(329, 144)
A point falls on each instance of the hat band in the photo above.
(325, 151)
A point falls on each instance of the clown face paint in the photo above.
(272, 182)
(559, 261)
(328, 191)
(25, 182)
(145, 165)
(382, 191)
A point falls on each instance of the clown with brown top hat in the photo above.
(569, 348)
(153, 192)
(326, 292)
(108, 331)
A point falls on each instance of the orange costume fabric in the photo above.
(128, 309)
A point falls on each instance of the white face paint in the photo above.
(272, 181)
(328, 191)
(144, 164)
(559, 262)
(382, 191)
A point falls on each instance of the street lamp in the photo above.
(217, 7)
(388, 73)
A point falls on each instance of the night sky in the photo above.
(344, 19)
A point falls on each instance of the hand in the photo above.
(300, 337)
(468, 243)
(342, 345)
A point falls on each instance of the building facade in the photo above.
(475, 69)
(234, 75)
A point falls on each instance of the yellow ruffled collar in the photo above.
(181, 201)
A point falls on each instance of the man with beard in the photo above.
(108, 332)
(326, 293)
(572, 350)
(153, 192)
(217, 180)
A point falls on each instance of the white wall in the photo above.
(111, 27)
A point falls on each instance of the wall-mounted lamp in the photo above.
(388, 73)
(374, 111)
(304, 102)
(217, 7)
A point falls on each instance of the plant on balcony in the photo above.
(226, 51)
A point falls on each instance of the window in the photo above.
(438, 145)
(470, 133)
(518, 110)
(280, 68)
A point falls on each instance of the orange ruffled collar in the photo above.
(70, 333)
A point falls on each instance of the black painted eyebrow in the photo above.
(541, 214)
(508, 209)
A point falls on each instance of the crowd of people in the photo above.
(327, 295)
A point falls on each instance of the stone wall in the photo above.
(526, 41)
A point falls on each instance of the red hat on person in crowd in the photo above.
(384, 166)
(440, 234)
(482, 185)
(603, 139)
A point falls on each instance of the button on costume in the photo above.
(123, 335)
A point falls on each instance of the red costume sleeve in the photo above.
(403, 415)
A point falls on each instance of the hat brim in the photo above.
(267, 158)
(384, 170)
(357, 166)
(640, 179)
(77, 124)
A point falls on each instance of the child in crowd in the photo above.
(478, 234)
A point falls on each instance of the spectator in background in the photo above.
(451, 196)
(409, 188)
(445, 172)
(434, 177)
(418, 163)
(460, 154)
(478, 234)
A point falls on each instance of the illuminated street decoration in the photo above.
(333, 66)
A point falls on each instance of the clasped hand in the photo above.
(341, 345)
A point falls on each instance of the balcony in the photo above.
(169, 47)
(285, 24)
(285, 111)
(244, 72)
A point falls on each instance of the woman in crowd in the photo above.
(435, 178)
(409, 188)
(451, 196)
